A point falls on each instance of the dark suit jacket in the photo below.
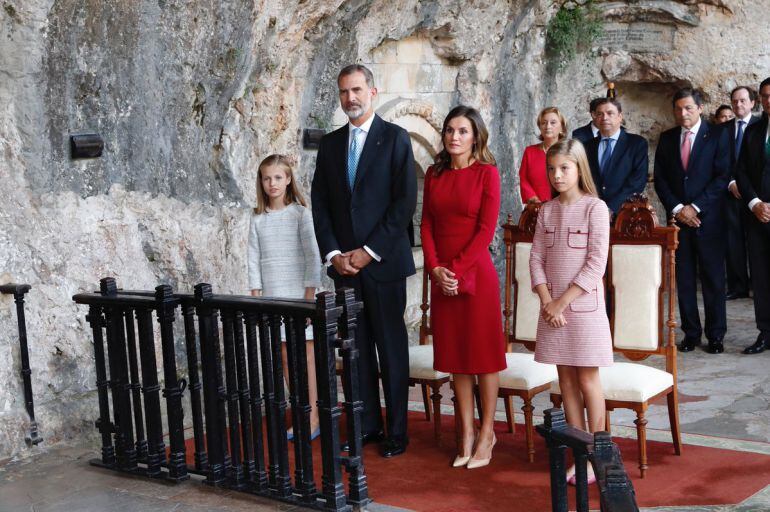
(583, 134)
(704, 181)
(729, 127)
(377, 211)
(751, 162)
(626, 172)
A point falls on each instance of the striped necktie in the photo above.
(354, 154)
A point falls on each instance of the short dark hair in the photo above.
(688, 92)
(764, 83)
(721, 108)
(357, 68)
(604, 101)
(595, 103)
(752, 92)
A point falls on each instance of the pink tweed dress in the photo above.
(570, 246)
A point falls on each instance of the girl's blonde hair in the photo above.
(573, 150)
(293, 194)
(562, 121)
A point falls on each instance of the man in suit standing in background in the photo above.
(364, 194)
(752, 172)
(742, 99)
(618, 159)
(691, 171)
(590, 130)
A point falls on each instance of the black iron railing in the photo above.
(19, 291)
(615, 489)
(237, 401)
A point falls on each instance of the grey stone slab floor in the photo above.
(724, 404)
(62, 480)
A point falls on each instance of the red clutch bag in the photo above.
(467, 284)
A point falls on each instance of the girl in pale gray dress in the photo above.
(283, 254)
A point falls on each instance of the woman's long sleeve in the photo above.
(312, 257)
(537, 253)
(253, 256)
(485, 228)
(527, 190)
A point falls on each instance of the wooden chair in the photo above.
(524, 377)
(421, 370)
(641, 280)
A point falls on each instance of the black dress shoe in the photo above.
(393, 446)
(368, 438)
(737, 295)
(688, 344)
(759, 346)
(715, 347)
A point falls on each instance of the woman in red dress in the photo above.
(533, 178)
(460, 213)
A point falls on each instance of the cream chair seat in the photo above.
(630, 382)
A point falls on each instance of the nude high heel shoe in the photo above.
(480, 463)
(461, 460)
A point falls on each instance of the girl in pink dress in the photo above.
(568, 259)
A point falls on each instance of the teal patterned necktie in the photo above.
(354, 153)
(767, 147)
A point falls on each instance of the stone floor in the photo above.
(724, 404)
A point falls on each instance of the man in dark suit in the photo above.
(752, 172)
(691, 172)
(590, 130)
(618, 159)
(742, 99)
(364, 194)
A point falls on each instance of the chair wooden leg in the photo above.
(436, 397)
(607, 426)
(529, 428)
(425, 400)
(508, 401)
(641, 435)
(556, 400)
(673, 417)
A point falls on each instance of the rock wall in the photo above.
(189, 95)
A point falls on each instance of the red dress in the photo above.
(533, 176)
(459, 217)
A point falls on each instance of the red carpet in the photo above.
(423, 480)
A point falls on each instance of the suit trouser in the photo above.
(381, 334)
(758, 236)
(737, 271)
(704, 257)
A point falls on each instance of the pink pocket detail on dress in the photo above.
(577, 238)
(550, 236)
(587, 302)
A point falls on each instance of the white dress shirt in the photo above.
(594, 130)
(694, 130)
(361, 140)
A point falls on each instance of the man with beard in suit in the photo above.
(364, 194)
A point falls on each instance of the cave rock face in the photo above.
(188, 97)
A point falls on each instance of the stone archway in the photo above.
(422, 122)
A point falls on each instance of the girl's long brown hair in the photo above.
(480, 152)
(573, 150)
(293, 194)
